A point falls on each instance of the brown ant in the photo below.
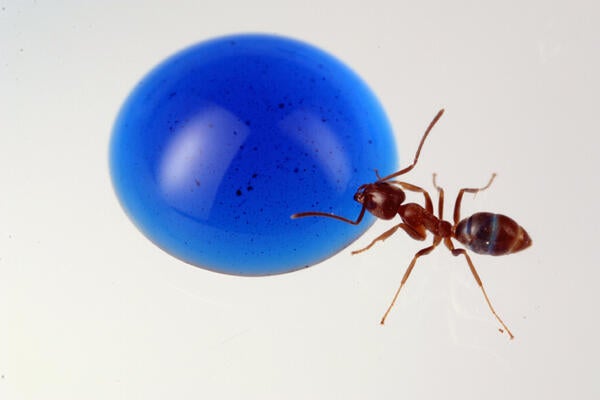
(483, 232)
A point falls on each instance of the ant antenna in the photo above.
(405, 170)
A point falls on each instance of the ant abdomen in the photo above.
(492, 234)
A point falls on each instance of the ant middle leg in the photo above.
(440, 197)
(458, 252)
(422, 252)
(468, 190)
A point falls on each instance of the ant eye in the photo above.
(211, 175)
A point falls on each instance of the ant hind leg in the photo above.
(462, 191)
(458, 252)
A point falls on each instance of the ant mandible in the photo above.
(482, 232)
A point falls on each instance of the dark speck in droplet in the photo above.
(197, 182)
(254, 175)
(172, 94)
(249, 188)
(281, 105)
(238, 192)
(247, 122)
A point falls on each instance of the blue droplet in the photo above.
(218, 145)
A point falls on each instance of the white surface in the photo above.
(89, 309)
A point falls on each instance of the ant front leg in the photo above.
(468, 190)
(458, 252)
(411, 232)
(417, 189)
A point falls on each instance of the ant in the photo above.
(482, 232)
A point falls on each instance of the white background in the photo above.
(89, 309)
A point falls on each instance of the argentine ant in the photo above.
(482, 232)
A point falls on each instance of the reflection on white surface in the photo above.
(194, 158)
(316, 137)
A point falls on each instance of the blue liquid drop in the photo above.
(217, 146)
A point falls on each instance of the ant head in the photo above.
(359, 196)
(380, 198)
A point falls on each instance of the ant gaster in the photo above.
(483, 232)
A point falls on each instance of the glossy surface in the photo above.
(492, 234)
(217, 147)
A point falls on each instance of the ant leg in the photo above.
(322, 214)
(468, 190)
(419, 253)
(405, 170)
(440, 198)
(411, 232)
(458, 252)
(417, 189)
